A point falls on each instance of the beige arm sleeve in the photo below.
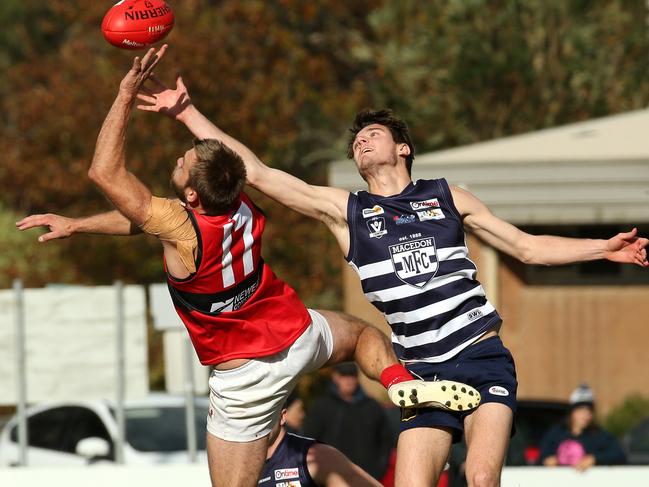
(169, 221)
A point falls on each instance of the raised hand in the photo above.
(627, 247)
(140, 71)
(161, 99)
(58, 226)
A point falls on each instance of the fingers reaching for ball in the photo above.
(152, 58)
(140, 71)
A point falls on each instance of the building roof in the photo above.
(584, 173)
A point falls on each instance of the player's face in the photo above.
(373, 142)
(180, 174)
(375, 146)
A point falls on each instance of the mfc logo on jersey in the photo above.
(415, 262)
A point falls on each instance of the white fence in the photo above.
(78, 342)
(106, 476)
(569, 477)
(198, 476)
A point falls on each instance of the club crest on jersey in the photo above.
(415, 262)
(374, 211)
(376, 227)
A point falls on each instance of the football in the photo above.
(136, 24)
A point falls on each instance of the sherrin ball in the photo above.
(136, 24)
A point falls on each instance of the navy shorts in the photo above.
(487, 365)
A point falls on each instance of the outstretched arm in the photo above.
(108, 170)
(624, 247)
(323, 203)
(109, 223)
(330, 468)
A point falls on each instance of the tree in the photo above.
(465, 71)
(275, 74)
(286, 77)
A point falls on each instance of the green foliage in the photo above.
(286, 77)
(627, 415)
(22, 256)
(466, 71)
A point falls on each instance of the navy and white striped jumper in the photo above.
(410, 253)
(288, 466)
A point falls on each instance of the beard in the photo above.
(178, 190)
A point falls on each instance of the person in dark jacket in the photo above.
(351, 421)
(579, 442)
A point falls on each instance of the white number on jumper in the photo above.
(242, 218)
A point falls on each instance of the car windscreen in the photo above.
(162, 429)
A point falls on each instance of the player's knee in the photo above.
(483, 477)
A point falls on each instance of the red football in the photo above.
(136, 24)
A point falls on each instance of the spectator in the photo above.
(349, 420)
(580, 442)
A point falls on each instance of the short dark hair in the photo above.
(292, 397)
(218, 175)
(387, 118)
(346, 368)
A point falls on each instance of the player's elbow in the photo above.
(252, 176)
(94, 175)
(527, 251)
(256, 174)
(98, 177)
(526, 256)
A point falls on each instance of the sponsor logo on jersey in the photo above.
(428, 209)
(415, 262)
(431, 214)
(403, 219)
(287, 473)
(474, 315)
(376, 227)
(235, 302)
(374, 211)
(498, 391)
(290, 483)
(265, 479)
(425, 205)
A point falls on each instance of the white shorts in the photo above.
(246, 402)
